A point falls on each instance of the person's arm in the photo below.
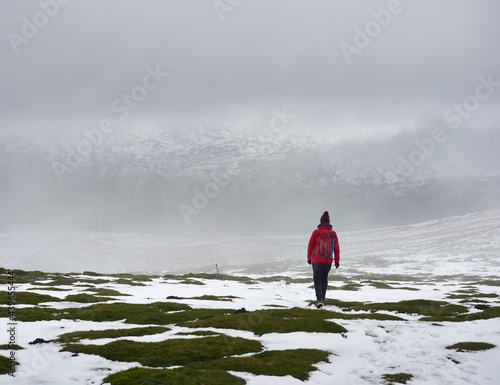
(336, 249)
(312, 243)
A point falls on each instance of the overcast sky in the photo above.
(64, 65)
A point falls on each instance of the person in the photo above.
(322, 251)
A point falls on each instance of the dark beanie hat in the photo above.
(325, 218)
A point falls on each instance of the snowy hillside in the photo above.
(403, 297)
(252, 179)
(469, 243)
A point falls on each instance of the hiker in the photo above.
(322, 251)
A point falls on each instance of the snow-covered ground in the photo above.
(434, 259)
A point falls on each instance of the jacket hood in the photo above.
(325, 225)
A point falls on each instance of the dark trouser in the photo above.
(320, 275)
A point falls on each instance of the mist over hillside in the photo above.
(240, 179)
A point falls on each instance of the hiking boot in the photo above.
(320, 305)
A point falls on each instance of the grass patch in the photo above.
(203, 333)
(157, 313)
(170, 352)
(407, 288)
(92, 274)
(351, 316)
(31, 273)
(192, 282)
(5, 365)
(296, 363)
(59, 280)
(349, 286)
(471, 346)
(180, 376)
(124, 281)
(219, 277)
(98, 281)
(379, 284)
(336, 302)
(400, 378)
(492, 312)
(287, 280)
(110, 333)
(472, 297)
(135, 277)
(85, 298)
(433, 309)
(214, 298)
(107, 292)
(27, 298)
(48, 288)
(10, 347)
(274, 321)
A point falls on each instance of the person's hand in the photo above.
(309, 261)
(337, 265)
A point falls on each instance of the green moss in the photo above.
(170, 352)
(219, 277)
(180, 376)
(471, 346)
(287, 280)
(433, 309)
(85, 298)
(274, 321)
(472, 297)
(379, 284)
(351, 316)
(492, 312)
(31, 273)
(5, 365)
(349, 286)
(110, 333)
(58, 280)
(400, 378)
(92, 274)
(158, 313)
(407, 288)
(135, 277)
(296, 363)
(192, 282)
(27, 298)
(10, 347)
(107, 292)
(204, 333)
(155, 313)
(336, 302)
(123, 281)
(214, 298)
(172, 277)
(387, 277)
(48, 288)
(92, 282)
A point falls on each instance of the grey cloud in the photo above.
(262, 55)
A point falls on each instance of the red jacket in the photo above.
(312, 243)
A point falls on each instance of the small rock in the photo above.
(242, 310)
(39, 341)
(173, 297)
(482, 307)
